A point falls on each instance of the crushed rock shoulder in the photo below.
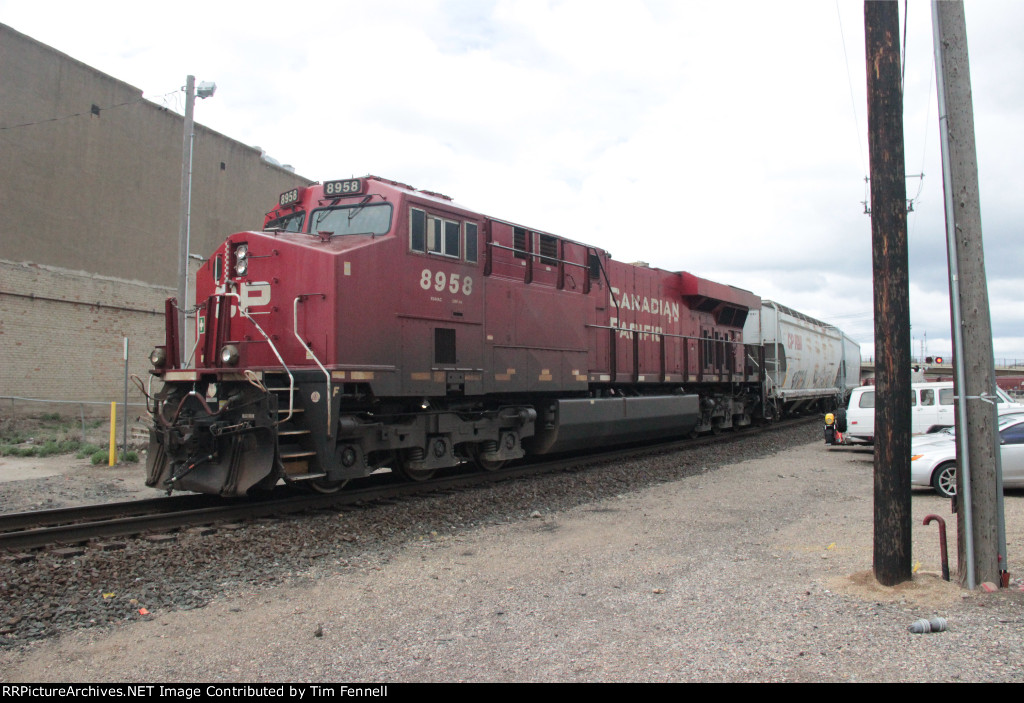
(757, 570)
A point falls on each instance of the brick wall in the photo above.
(62, 333)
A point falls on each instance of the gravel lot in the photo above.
(740, 562)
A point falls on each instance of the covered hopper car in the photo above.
(808, 362)
(375, 325)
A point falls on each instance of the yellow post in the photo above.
(113, 428)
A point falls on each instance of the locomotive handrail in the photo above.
(536, 255)
(653, 333)
(295, 330)
(611, 293)
(291, 379)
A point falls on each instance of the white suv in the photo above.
(932, 408)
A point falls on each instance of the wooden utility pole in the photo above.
(980, 530)
(892, 553)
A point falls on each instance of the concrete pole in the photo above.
(183, 231)
(981, 534)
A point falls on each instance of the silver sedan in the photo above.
(933, 458)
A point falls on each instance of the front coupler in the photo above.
(213, 438)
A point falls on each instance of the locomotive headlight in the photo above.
(158, 357)
(241, 259)
(229, 355)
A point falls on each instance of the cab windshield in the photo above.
(288, 223)
(352, 219)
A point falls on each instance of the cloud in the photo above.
(727, 140)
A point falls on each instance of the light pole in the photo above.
(205, 91)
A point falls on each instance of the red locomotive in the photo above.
(375, 325)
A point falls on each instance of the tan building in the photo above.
(90, 192)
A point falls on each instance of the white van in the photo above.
(931, 408)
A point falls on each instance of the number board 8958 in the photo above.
(334, 189)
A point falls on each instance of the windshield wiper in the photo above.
(358, 208)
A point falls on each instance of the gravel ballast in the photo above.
(737, 562)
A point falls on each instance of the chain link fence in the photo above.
(35, 420)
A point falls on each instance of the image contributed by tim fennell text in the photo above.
(293, 692)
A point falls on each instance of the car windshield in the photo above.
(352, 219)
(1003, 397)
(946, 434)
(1009, 419)
(950, 432)
(1004, 419)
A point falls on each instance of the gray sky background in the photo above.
(724, 139)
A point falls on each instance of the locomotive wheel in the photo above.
(321, 485)
(415, 476)
(399, 466)
(488, 464)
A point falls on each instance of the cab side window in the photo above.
(471, 242)
(443, 237)
(418, 230)
(437, 235)
(928, 397)
(867, 400)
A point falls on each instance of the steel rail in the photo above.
(107, 523)
(10, 522)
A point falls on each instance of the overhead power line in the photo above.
(853, 100)
(93, 111)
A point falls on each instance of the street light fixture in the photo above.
(205, 90)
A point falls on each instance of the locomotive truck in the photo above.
(372, 325)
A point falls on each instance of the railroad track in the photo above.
(33, 530)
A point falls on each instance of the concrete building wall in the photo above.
(90, 181)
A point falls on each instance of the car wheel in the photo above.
(944, 479)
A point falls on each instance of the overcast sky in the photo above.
(724, 139)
